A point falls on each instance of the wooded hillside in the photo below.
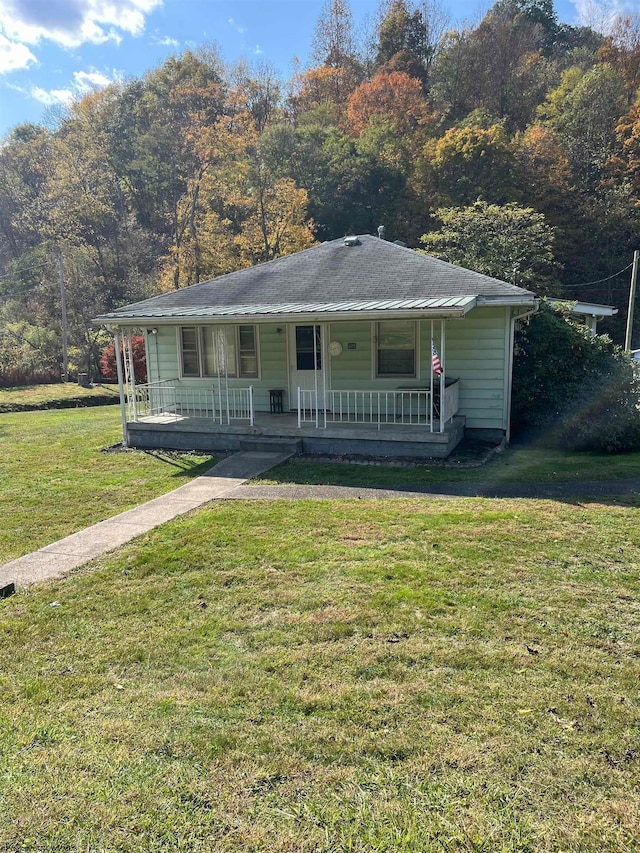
(520, 128)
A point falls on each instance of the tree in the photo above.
(259, 93)
(404, 42)
(25, 167)
(321, 94)
(498, 66)
(621, 50)
(108, 366)
(333, 42)
(584, 111)
(510, 243)
(470, 163)
(393, 95)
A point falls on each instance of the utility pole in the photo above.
(632, 300)
(63, 305)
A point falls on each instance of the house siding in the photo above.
(475, 352)
(272, 358)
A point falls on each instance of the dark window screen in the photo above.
(304, 348)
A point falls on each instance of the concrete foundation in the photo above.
(344, 439)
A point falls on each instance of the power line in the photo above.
(26, 269)
(599, 281)
(21, 290)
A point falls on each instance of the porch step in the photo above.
(269, 444)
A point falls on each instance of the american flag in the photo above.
(435, 360)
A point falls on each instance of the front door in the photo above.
(305, 362)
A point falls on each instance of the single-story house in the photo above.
(355, 346)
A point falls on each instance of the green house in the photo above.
(355, 346)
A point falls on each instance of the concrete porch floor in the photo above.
(395, 439)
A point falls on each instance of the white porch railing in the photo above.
(406, 407)
(170, 401)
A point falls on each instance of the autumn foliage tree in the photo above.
(393, 95)
(108, 366)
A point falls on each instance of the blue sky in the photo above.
(54, 50)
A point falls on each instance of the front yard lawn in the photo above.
(408, 675)
(54, 480)
(515, 465)
(58, 395)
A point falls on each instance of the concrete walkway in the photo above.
(56, 559)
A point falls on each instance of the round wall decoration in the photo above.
(335, 348)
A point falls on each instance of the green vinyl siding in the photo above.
(352, 368)
(476, 355)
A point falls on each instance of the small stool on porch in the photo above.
(276, 401)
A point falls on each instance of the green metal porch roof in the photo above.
(455, 305)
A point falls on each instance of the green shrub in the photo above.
(572, 390)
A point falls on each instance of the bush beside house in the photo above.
(571, 390)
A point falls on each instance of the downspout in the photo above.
(123, 408)
(512, 328)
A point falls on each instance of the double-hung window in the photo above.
(396, 348)
(210, 351)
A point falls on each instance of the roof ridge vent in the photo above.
(400, 243)
(351, 240)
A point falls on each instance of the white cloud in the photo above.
(71, 23)
(165, 41)
(53, 96)
(257, 50)
(237, 27)
(14, 56)
(83, 82)
(87, 80)
(601, 14)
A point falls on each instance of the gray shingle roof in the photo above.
(371, 271)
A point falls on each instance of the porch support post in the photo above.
(132, 376)
(123, 406)
(431, 388)
(220, 354)
(226, 378)
(324, 360)
(315, 370)
(443, 376)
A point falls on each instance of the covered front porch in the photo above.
(365, 388)
(404, 422)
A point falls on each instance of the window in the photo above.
(396, 348)
(190, 354)
(207, 351)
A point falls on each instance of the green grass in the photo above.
(333, 676)
(54, 480)
(516, 465)
(56, 395)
